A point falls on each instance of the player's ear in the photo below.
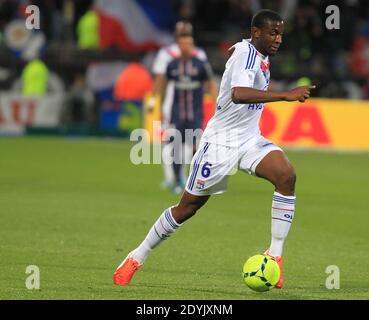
(255, 32)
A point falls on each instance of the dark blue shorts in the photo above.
(189, 125)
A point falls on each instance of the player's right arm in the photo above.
(159, 70)
(244, 68)
(250, 95)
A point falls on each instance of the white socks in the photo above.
(167, 157)
(283, 209)
(167, 163)
(161, 230)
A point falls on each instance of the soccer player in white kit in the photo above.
(232, 140)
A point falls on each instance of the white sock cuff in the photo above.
(277, 194)
(169, 217)
(281, 201)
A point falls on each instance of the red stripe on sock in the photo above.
(283, 209)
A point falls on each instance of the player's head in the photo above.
(183, 28)
(186, 45)
(266, 31)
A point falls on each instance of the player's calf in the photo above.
(188, 206)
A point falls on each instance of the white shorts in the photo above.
(212, 164)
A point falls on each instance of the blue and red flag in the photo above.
(135, 25)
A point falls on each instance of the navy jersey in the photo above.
(188, 77)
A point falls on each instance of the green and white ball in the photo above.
(261, 273)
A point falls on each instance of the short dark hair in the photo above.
(262, 17)
(183, 28)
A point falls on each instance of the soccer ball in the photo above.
(261, 273)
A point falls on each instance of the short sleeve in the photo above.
(207, 72)
(200, 54)
(244, 68)
(161, 62)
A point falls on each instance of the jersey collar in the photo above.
(261, 55)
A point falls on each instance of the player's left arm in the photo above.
(163, 83)
(210, 84)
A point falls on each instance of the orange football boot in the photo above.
(124, 273)
(279, 260)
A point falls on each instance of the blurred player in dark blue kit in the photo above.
(191, 77)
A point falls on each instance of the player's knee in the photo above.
(286, 180)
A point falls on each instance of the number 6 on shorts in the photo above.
(205, 171)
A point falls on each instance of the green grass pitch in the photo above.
(76, 207)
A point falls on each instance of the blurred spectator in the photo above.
(353, 90)
(79, 106)
(35, 77)
(303, 81)
(365, 90)
(184, 8)
(88, 31)
(360, 49)
(133, 83)
(37, 80)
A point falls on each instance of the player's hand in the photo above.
(150, 104)
(299, 94)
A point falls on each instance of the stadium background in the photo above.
(69, 194)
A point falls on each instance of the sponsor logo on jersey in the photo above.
(256, 106)
(200, 184)
(264, 69)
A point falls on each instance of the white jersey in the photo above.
(163, 58)
(233, 124)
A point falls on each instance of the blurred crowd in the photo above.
(68, 45)
(336, 60)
